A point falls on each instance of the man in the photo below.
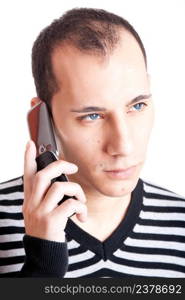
(90, 68)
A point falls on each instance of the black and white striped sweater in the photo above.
(149, 242)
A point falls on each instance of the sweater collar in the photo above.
(116, 239)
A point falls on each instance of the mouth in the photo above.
(121, 173)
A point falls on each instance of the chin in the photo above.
(118, 189)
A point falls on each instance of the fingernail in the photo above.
(27, 145)
(74, 167)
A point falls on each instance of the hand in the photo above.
(43, 217)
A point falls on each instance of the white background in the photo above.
(161, 25)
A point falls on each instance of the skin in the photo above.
(115, 137)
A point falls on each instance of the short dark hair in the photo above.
(95, 31)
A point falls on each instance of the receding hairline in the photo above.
(102, 58)
(93, 31)
(120, 34)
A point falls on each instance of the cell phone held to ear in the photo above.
(41, 131)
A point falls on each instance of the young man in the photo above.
(90, 68)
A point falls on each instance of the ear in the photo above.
(35, 101)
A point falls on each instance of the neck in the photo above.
(104, 210)
(104, 207)
(104, 213)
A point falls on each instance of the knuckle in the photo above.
(46, 221)
(28, 216)
(37, 215)
(39, 176)
(24, 210)
(57, 185)
(61, 162)
(83, 207)
(70, 202)
(76, 187)
(43, 219)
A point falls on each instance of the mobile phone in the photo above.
(41, 130)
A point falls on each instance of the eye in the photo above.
(91, 117)
(138, 106)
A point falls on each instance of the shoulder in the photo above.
(152, 188)
(155, 191)
(12, 188)
(11, 200)
(12, 182)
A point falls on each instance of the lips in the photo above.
(119, 170)
(121, 173)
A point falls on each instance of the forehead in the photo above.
(127, 45)
(83, 74)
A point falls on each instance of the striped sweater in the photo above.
(149, 242)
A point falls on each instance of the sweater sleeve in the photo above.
(44, 258)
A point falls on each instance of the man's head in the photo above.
(92, 31)
(92, 73)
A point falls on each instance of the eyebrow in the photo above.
(97, 108)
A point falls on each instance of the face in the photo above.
(103, 113)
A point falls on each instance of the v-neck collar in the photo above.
(112, 243)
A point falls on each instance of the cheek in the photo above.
(81, 149)
(142, 131)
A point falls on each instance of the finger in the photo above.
(82, 217)
(30, 168)
(57, 191)
(42, 180)
(68, 208)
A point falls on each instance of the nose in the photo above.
(120, 140)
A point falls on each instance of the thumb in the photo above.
(30, 167)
